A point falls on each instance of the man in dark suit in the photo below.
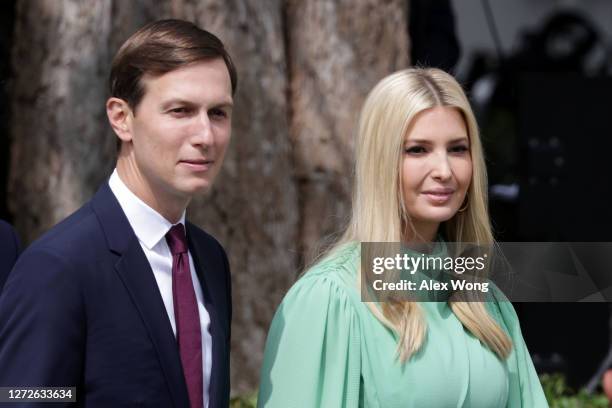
(9, 251)
(124, 300)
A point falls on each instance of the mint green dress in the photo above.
(325, 348)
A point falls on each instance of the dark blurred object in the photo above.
(9, 251)
(564, 44)
(7, 18)
(543, 112)
(568, 338)
(567, 57)
(432, 32)
(565, 140)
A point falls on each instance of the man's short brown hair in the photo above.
(160, 47)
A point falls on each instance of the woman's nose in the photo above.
(441, 167)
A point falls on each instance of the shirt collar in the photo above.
(148, 225)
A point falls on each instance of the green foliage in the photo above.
(244, 401)
(560, 395)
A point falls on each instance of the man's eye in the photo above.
(180, 111)
(415, 150)
(218, 113)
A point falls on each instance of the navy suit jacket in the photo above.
(9, 251)
(82, 308)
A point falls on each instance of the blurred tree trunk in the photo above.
(62, 148)
(304, 69)
(338, 50)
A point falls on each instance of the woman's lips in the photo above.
(438, 197)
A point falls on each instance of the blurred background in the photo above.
(537, 72)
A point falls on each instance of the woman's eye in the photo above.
(415, 150)
(459, 149)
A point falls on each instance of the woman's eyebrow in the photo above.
(420, 141)
(427, 141)
(460, 139)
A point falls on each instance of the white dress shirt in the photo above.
(150, 228)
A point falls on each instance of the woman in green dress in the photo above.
(419, 178)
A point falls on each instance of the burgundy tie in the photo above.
(188, 333)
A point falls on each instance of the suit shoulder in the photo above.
(71, 236)
(8, 234)
(5, 227)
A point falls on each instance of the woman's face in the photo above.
(436, 167)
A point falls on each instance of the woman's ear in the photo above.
(120, 118)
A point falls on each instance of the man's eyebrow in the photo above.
(180, 101)
(225, 104)
(177, 101)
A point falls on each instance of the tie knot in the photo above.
(176, 239)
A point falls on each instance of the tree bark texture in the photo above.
(304, 68)
(338, 50)
(62, 148)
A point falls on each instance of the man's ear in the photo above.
(120, 117)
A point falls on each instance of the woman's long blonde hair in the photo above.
(385, 118)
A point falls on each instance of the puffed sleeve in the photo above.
(312, 356)
(525, 389)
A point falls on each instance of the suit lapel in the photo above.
(134, 270)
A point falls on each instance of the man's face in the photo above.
(181, 129)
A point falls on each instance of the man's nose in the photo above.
(203, 134)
